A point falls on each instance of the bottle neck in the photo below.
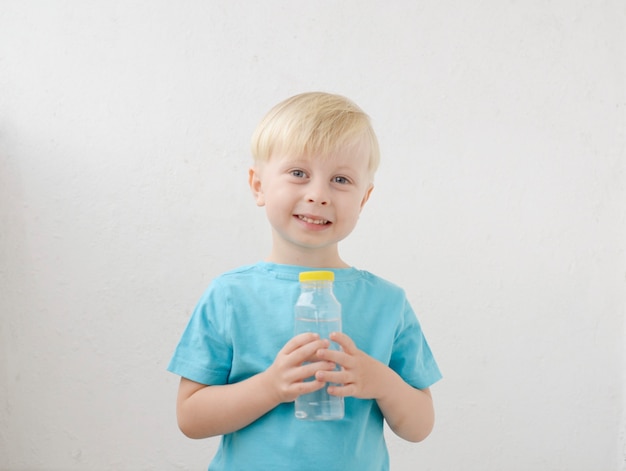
(316, 285)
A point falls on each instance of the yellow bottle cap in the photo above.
(317, 276)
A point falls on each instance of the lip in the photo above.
(312, 221)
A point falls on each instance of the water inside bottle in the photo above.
(319, 405)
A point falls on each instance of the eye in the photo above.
(341, 180)
(298, 173)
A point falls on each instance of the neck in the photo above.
(327, 257)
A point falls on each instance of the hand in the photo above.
(360, 374)
(287, 373)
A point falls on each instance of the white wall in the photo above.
(500, 207)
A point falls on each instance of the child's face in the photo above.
(312, 203)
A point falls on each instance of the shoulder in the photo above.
(239, 273)
(242, 270)
(228, 290)
(246, 277)
(379, 283)
(372, 289)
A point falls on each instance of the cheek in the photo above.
(353, 209)
(277, 204)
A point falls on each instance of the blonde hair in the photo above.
(314, 124)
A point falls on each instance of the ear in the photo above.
(254, 180)
(367, 195)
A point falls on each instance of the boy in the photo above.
(241, 367)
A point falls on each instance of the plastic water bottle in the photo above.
(317, 310)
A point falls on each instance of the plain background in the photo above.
(499, 206)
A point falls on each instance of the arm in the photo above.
(408, 411)
(204, 411)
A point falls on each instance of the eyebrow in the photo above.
(288, 161)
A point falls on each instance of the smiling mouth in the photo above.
(319, 222)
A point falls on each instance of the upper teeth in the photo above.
(313, 221)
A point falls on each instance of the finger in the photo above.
(333, 376)
(298, 341)
(308, 352)
(345, 342)
(312, 369)
(341, 391)
(336, 356)
(308, 387)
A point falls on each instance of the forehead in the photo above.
(353, 154)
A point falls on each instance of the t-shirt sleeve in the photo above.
(204, 353)
(411, 357)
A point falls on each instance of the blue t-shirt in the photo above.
(244, 319)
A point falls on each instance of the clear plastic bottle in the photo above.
(317, 310)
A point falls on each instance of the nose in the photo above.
(318, 193)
